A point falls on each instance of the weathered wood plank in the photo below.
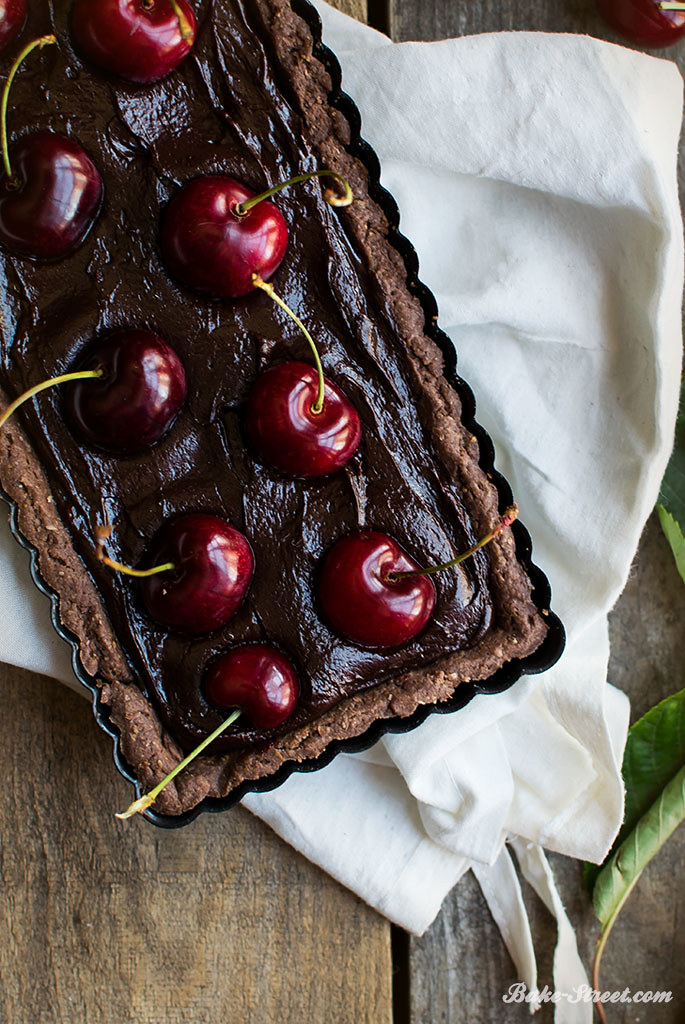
(111, 923)
(355, 8)
(441, 19)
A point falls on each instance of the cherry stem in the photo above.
(666, 5)
(183, 23)
(240, 209)
(39, 43)
(259, 282)
(37, 388)
(102, 534)
(506, 520)
(145, 801)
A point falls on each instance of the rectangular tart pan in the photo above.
(539, 661)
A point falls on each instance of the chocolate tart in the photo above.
(259, 99)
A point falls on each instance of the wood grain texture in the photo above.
(355, 8)
(108, 922)
(460, 969)
(440, 19)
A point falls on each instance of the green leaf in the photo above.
(654, 754)
(618, 877)
(675, 538)
(654, 774)
(672, 495)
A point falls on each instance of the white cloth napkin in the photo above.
(536, 176)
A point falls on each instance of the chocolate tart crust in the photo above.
(517, 629)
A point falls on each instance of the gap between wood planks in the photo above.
(378, 15)
(399, 951)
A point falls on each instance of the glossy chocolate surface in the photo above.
(228, 110)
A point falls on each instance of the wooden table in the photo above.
(110, 923)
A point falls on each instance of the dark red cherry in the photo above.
(361, 599)
(138, 40)
(214, 250)
(135, 402)
(643, 22)
(12, 18)
(288, 435)
(49, 204)
(256, 678)
(213, 571)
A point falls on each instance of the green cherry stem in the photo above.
(329, 195)
(183, 23)
(145, 801)
(506, 520)
(666, 5)
(37, 43)
(259, 282)
(102, 535)
(37, 388)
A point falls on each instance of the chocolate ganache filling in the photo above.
(228, 109)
